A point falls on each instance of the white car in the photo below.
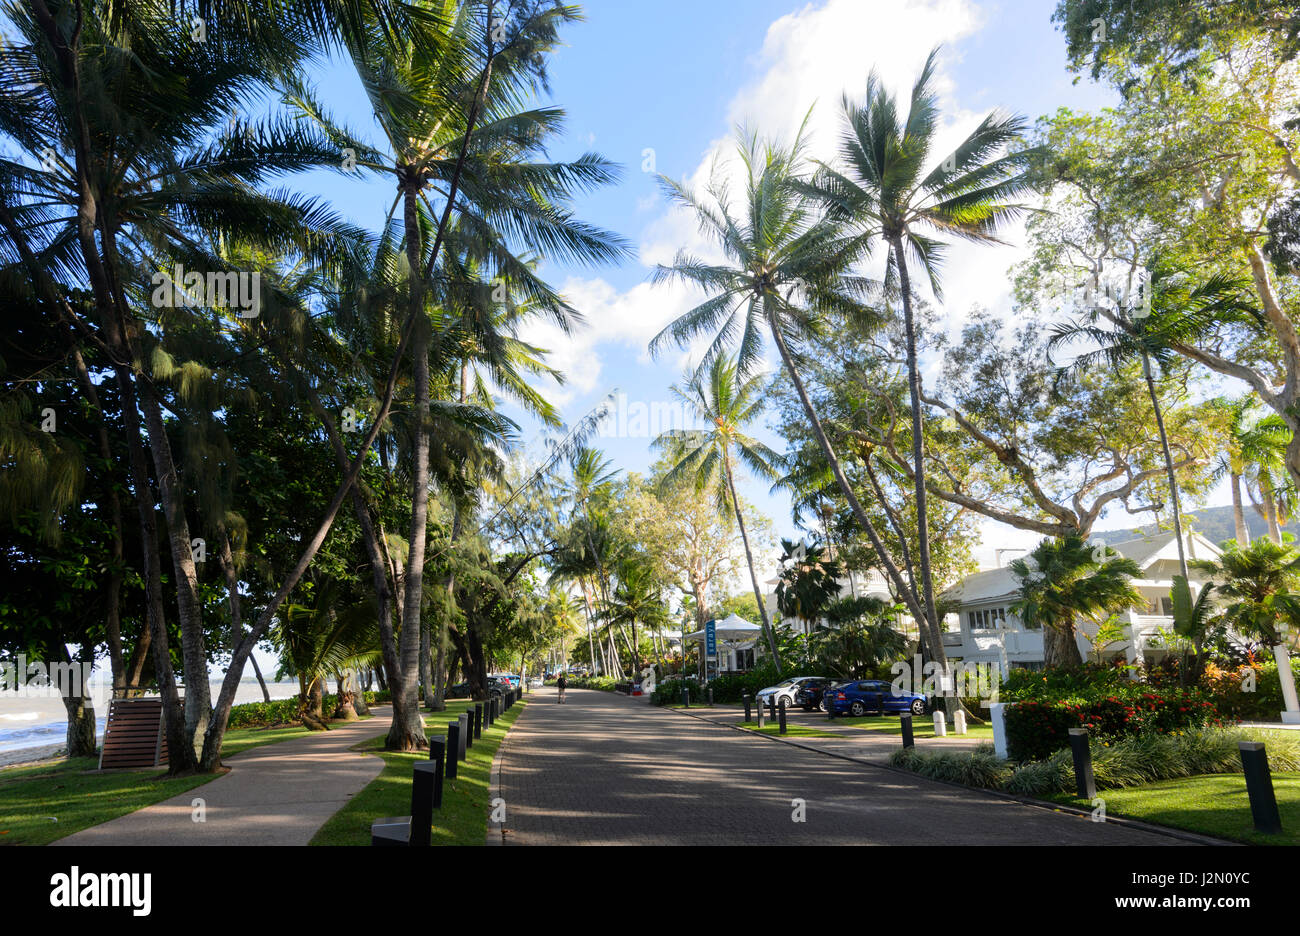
(786, 689)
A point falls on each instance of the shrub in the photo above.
(1127, 762)
(285, 711)
(1037, 728)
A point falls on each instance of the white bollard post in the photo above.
(1292, 714)
(997, 717)
(959, 722)
(762, 710)
(940, 725)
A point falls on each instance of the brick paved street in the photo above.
(608, 769)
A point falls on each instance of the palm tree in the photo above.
(859, 637)
(809, 581)
(787, 273)
(727, 401)
(1263, 448)
(637, 597)
(1168, 307)
(885, 190)
(1063, 580)
(1260, 585)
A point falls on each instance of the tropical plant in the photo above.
(808, 582)
(1065, 579)
(887, 189)
(720, 396)
(1259, 586)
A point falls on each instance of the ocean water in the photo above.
(37, 721)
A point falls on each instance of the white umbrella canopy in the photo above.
(733, 632)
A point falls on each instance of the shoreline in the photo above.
(30, 755)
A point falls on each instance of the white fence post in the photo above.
(997, 717)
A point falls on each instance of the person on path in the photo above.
(561, 683)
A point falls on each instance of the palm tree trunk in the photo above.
(909, 597)
(1270, 510)
(918, 446)
(1238, 513)
(407, 732)
(1169, 462)
(749, 559)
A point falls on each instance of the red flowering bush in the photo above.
(1038, 727)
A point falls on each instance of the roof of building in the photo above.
(1144, 550)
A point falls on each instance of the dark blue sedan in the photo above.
(861, 697)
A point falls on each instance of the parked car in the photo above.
(811, 694)
(512, 678)
(787, 689)
(461, 690)
(859, 697)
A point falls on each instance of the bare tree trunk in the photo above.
(749, 559)
(1169, 463)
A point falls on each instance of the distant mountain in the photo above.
(1214, 523)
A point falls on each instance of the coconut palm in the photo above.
(727, 401)
(1263, 448)
(1063, 580)
(1147, 316)
(787, 273)
(886, 188)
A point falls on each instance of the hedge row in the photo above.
(285, 711)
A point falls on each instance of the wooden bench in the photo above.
(134, 735)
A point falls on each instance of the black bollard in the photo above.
(710, 697)
(908, 739)
(781, 718)
(745, 696)
(423, 786)
(478, 719)
(686, 697)
(463, 721)
(453, 747)
(1086, 786)
(771, 707)
(437, 755)
(1259, 786)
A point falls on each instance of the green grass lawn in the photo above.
(464, 815)
(791, 730)
(32, 798)
(1214, 804)
(921, 727)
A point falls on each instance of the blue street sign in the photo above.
(710, 639)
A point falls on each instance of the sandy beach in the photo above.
(30, 755)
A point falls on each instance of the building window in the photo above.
(987, 618)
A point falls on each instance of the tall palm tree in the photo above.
(1263, 448)
(1063, 580)
(1146, 317)
(454, 129)
(886, 189)
(727, 401)
(637, 598)
(809, 581)
(788, 272)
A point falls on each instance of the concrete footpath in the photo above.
(276, 794)
(607, 769)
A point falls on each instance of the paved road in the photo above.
(277, 794)
(607, 769)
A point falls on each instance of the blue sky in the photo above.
(676, 78)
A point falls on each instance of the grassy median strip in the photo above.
(791, 731)
(921, 727)
(45, 802)
(1212, 804)
(464, 814)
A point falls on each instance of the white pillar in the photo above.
(959, 722)
(1292, 714)
(996, 716)
(940, 725)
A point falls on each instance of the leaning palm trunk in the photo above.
(940, 658)
(753, 576)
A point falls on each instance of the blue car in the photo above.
(862, 697)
